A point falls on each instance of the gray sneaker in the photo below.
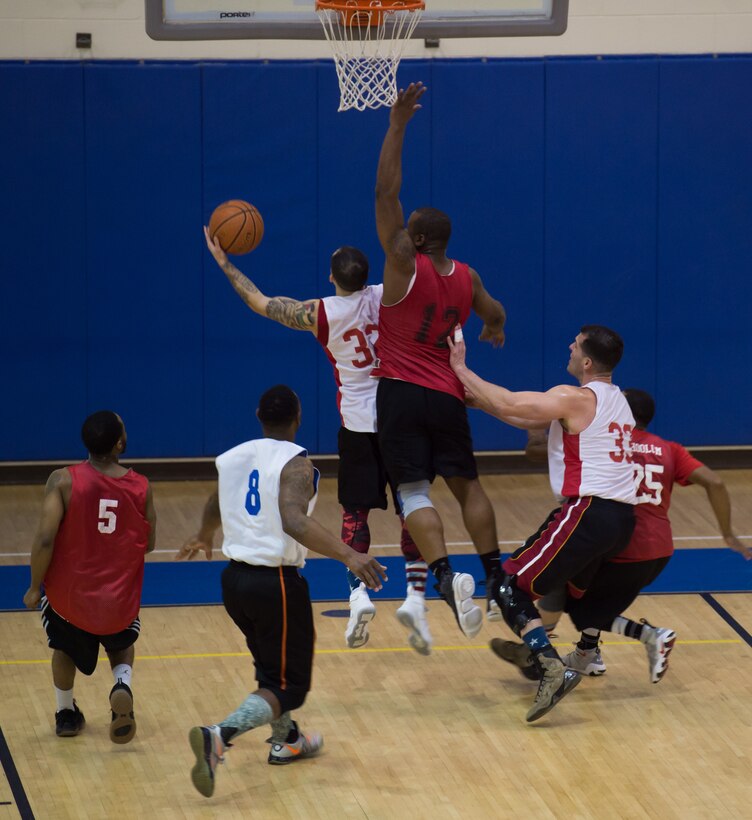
(518, 654)
(585, 661)
(556, 682)
(659, 642)
(457, 590)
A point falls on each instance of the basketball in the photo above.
(237, 226)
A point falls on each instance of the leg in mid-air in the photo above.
(412, 613)
(357, 535)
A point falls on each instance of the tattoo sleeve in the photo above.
(290, 312)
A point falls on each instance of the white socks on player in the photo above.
(122, 672)
(64, 698)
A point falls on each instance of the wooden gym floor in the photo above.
(405, 736)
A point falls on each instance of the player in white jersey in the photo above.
(266, 492)
(346, 325)
(590, 462)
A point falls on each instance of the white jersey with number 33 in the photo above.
(249, 503)
(597, 461)
(348, 327)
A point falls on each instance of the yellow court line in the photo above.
(203, 655)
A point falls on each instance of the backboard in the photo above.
(296, 19)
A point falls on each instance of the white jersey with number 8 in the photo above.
(249, 503)
(348, 327)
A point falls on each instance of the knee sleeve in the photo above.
(414, 496)
(555, 601)
(517, 607)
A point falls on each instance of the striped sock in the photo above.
(416, 573)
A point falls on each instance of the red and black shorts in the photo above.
(271, 606)
(423, 433)
(570, 546)
(80, 646)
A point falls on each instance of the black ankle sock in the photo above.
(228, 733)
(440, 568)
(491, 562)
(588, 642)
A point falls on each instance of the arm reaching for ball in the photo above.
(282, 309)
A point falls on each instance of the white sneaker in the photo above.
(585, 661)
(659, 642)
(457, 590)
(362, 612)
(493, 611)
(412, 614)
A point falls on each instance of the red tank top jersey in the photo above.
(412, 342)
(97, 569)
(659, 464)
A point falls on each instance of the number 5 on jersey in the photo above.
(253, 499)
(107, 518)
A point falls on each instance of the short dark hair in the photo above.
(349, 268)
(278, 407)
(434, 224)
(603, 345)
(101, 431)
(642, 405)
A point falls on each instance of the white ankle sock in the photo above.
(122, 672)
(64, 698)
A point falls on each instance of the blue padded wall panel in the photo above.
(487, 174)
(144, 252)
(43, 234)
(704, 303)
(260, 145)
(348, 149)
(600, 245)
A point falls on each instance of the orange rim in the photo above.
(368, 5)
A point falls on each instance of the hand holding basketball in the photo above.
(215, 248)
(236, 226)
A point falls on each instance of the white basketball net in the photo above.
(367, 56)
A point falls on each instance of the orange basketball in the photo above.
(237, 226)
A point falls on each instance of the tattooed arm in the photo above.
(286, 311)
(295, 491)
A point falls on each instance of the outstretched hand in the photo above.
(496, 337)
(407, 104)
(192, 547)
(368, 569)
(215, 248)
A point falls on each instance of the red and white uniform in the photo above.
(658, 464)
(412, 343)
(97, 569)
(597, 461)
(348, 327)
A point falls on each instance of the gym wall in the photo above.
(584, 189)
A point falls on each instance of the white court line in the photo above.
(397, 546)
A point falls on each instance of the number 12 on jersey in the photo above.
(253, 499)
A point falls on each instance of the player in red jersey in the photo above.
(422, 420)
(346, 326)
(97, 524)
(659, 465)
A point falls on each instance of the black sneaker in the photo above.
(69, 722)
(123, 724)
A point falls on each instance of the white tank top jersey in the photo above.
(597, 461)
(348, 327)
(249, 503)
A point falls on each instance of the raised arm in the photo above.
(574, 406)
(390, 221)
(295, 491)
(53, 510)
(282, 309)
(210, 522)
(490, 310)
(719, 500)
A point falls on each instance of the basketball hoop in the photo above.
(368, 38)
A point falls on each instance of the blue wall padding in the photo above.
(43, 239)
(611, 190)
(705, 248)
(172, 583)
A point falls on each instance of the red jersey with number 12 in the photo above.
(97, 569)
(658, 464)
(412, 342)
